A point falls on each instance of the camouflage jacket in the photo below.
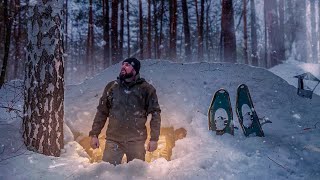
(127, 105)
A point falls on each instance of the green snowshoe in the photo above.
(246, 113)
(220, 113)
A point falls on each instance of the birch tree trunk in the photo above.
(44, 79)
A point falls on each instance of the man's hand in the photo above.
(94, 143)
(152, 146)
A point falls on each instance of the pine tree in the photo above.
(114, 32)
(90, 41)
(245, 34)
(254, 44)
(187, 39)
(280, 34)
(140, 30)
(173, 29)
(272, 30)
(7, 31)
(301, 30)
(149, 31)
(314, 38)
(228, 32)
(106, 35)
(200, 31)
(120, 56)
(128, 27)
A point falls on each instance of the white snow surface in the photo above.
(289, 150)
(291, 68)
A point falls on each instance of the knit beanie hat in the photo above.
(135, 63)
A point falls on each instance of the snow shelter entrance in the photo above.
(167, 139)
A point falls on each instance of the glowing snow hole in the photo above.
(167, 139)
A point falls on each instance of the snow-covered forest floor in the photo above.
(289, 150)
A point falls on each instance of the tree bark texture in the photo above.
(254, 43)
(7, 30)
(114, 32)
(121, 30)
(200, 31)
(90, 42)
(106, 33)
(273, 30)
(314, 39)
(44, 79)
(128, 28)
(186, 28)
(173, 29)
(301, 31)
(245, 33)
(281, 40)
(140, 29)
(155, 26)
(149, 31)
(228, 32)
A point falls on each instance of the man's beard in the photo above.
(125, 76)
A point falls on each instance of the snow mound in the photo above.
(290, 148)
(184, 89)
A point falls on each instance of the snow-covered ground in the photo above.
(289, 150)
(291, 68)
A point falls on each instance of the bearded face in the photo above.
(127, 71)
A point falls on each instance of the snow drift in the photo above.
(290, 150)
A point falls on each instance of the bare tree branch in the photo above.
(315, 125)
(4, 147)
(13, 156)
(10, 108)
(288, 170)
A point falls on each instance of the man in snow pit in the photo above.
(127, 102)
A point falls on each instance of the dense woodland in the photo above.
(48, 42)
(100, 33)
